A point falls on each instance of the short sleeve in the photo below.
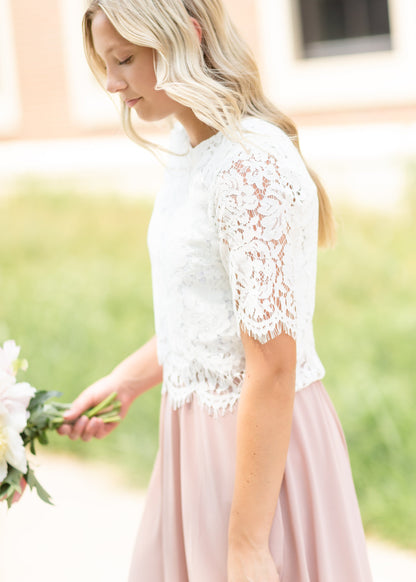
(254, 215)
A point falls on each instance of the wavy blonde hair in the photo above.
(217, 77)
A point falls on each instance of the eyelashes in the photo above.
(119, 63)
(126, 61)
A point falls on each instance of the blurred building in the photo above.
(343, 69)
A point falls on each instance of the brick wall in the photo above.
(40, 68)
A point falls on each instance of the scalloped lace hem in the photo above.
(219, 393)
(208, 390)
(212, 406)
(266, 335)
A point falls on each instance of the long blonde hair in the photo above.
(217, 77)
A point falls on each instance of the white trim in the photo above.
(348, 46)
(10, 110)
(90, 106)
(385, 78)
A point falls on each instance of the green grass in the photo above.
(76, 295)
(365, 326)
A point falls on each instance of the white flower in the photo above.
(9, 353)
(14, 400)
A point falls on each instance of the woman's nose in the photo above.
(114, 84)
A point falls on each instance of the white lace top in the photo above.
(233, 242)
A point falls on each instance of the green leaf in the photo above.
(10, 485)
(41, 396)
(43, 439)
(13, 475)
(38, 418)
(61, 405)
(34, 483)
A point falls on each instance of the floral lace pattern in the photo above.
(258, 247)
(233, 244)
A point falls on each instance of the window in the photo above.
(321, 86)
(335, 27)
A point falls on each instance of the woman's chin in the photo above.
(148, 116)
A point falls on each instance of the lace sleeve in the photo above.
(254, 214)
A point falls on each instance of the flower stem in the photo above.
(101, 406)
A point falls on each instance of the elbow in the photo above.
(273, 383)
(271, 366)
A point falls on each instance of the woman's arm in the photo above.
(263, 432)
(133, 376)
(141, 370)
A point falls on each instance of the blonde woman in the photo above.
(252, 480)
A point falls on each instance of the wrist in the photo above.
(128, 387)
(239, 540)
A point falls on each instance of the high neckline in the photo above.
(204, 144)
(248, 123)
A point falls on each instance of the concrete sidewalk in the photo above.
(89, 534)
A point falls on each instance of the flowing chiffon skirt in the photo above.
(317, 533)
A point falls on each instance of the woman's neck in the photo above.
(197, 130)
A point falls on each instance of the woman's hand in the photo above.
(137, 373)
(78, 426)
(264, 420)
(251, 565)
(17, 495)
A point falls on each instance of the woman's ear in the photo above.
(198, 28)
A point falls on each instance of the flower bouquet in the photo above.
(26, 415)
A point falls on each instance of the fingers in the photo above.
(86, 429)
(74, 431)
(17, 495)
(76, 424)
(84, 401)
(95, 429)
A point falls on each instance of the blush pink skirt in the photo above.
(317, 533)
